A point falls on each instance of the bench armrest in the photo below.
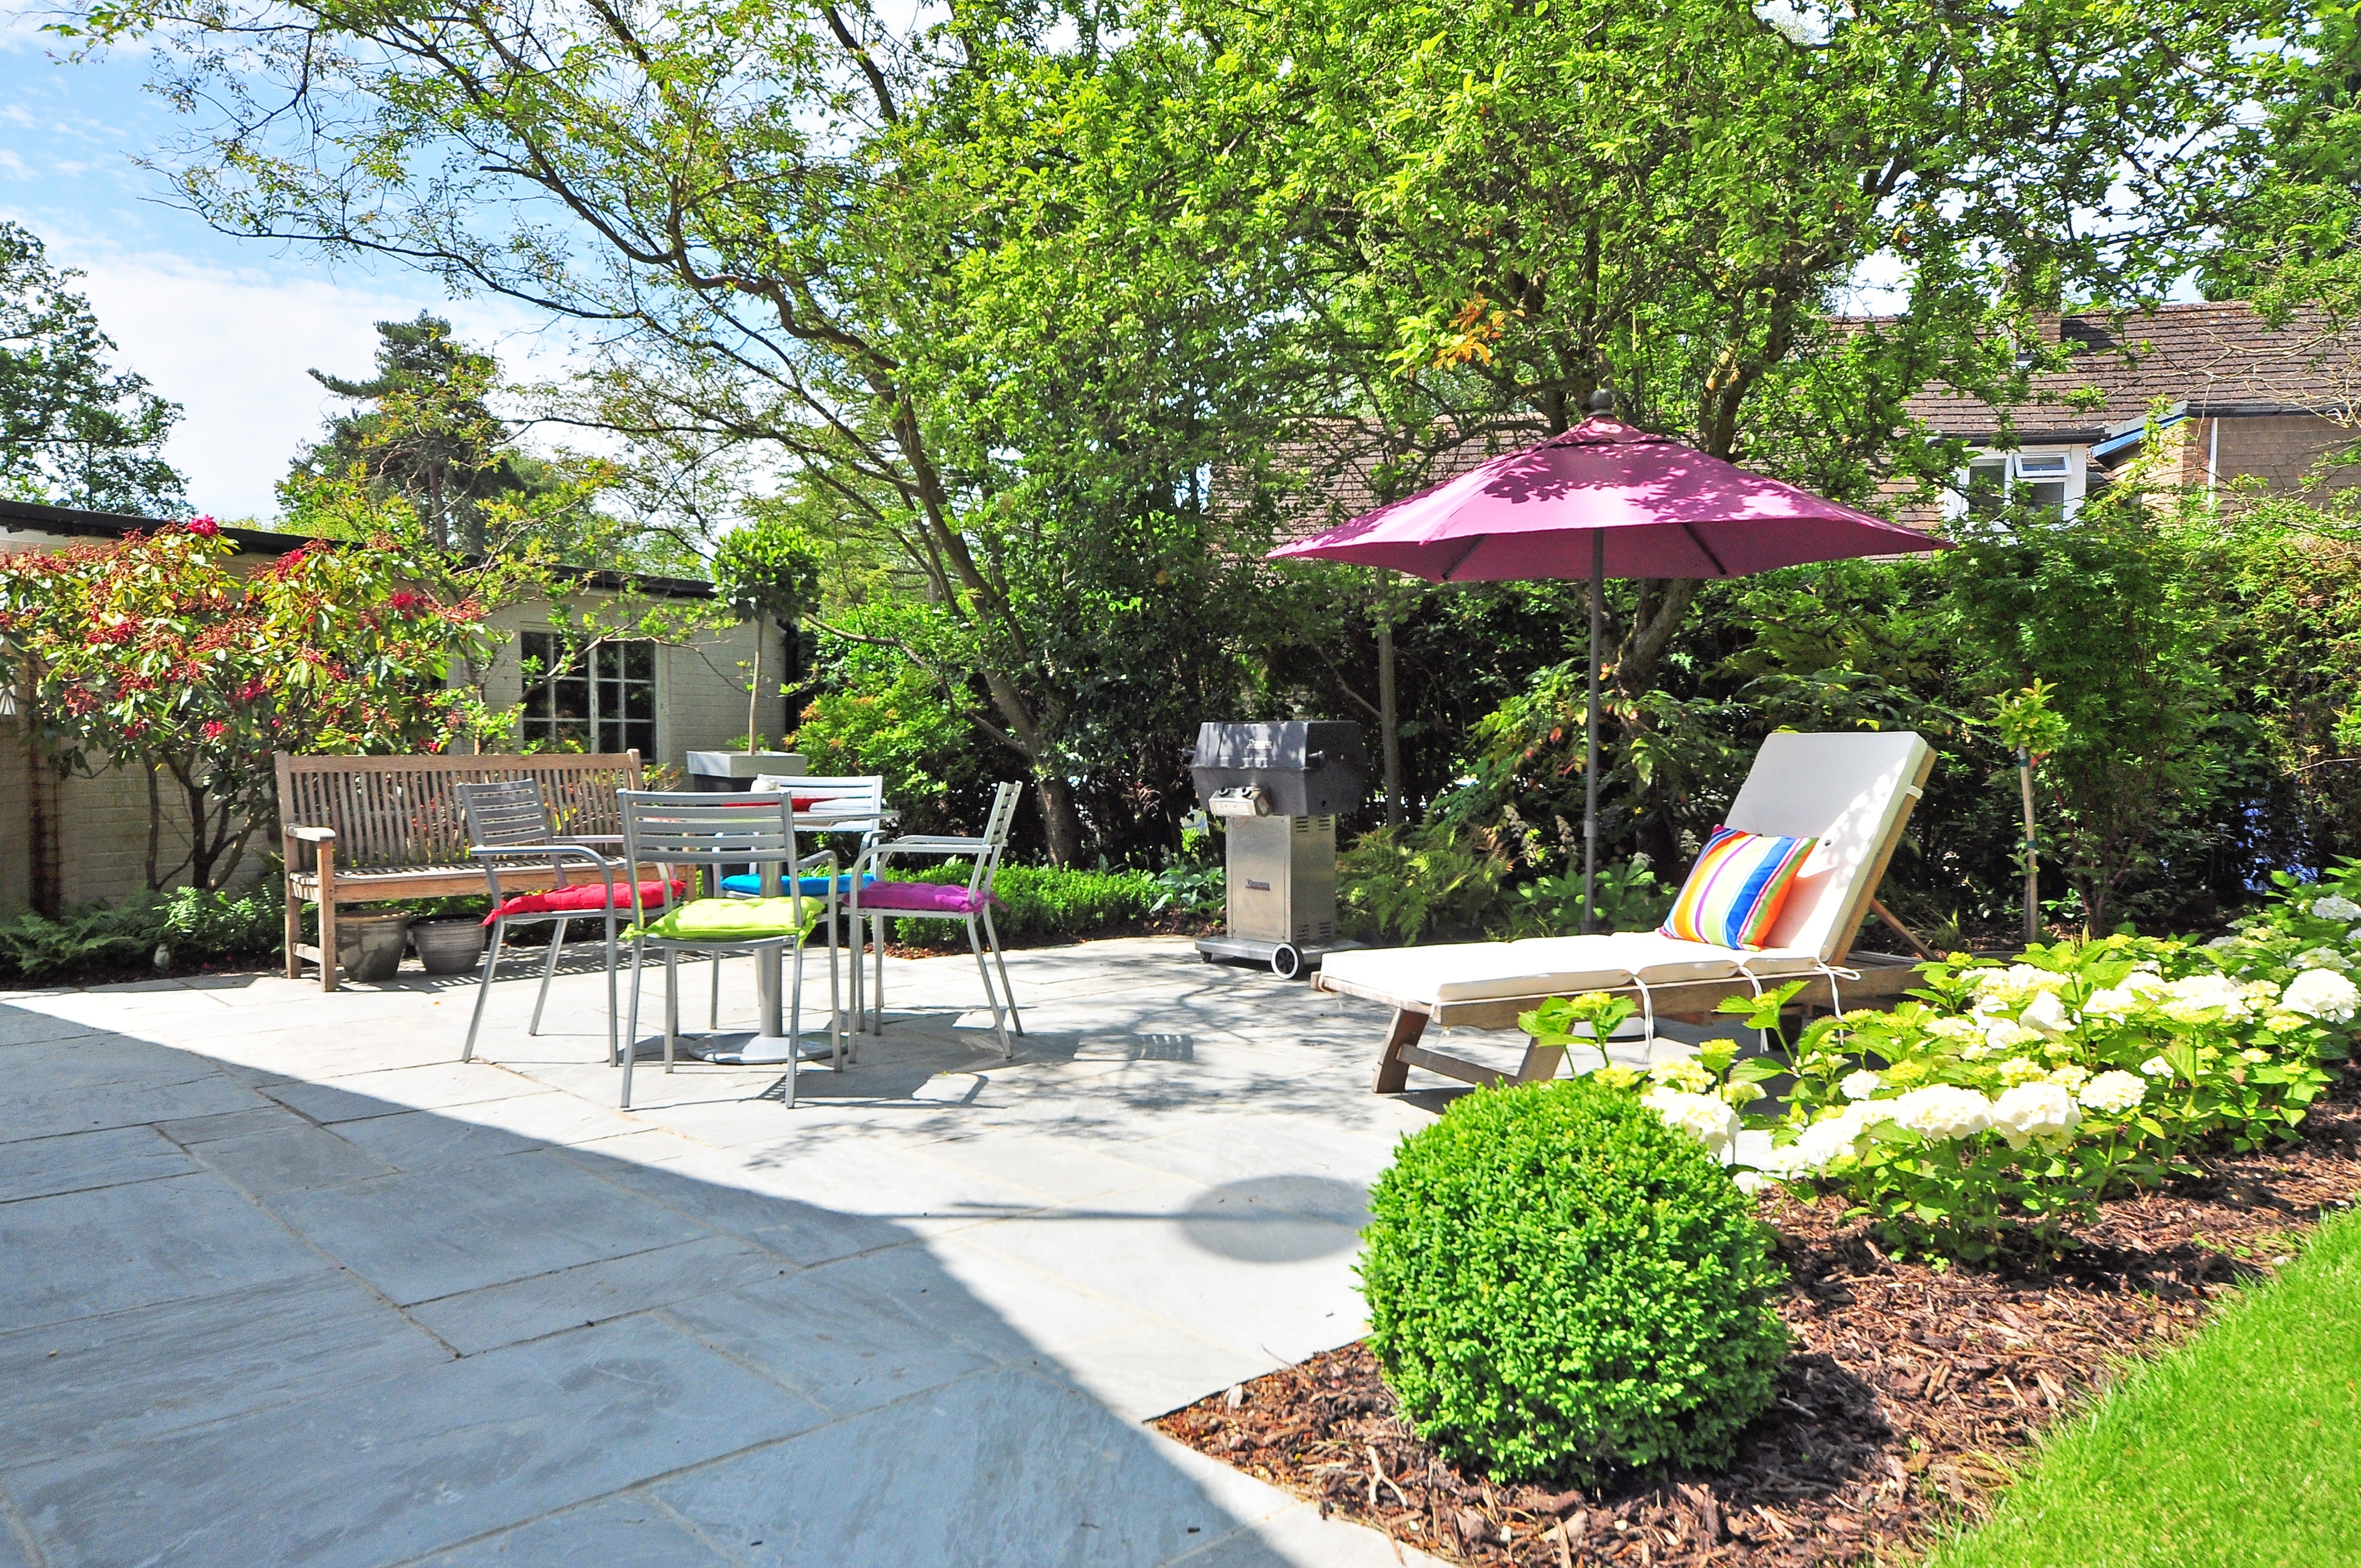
(310, 835)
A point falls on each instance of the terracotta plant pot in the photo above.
(449, 946)
(368, 947)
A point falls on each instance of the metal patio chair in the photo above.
(705, 834)
(925, 901)
(509, 825)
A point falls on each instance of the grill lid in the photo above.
(1307, 767)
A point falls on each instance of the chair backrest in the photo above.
(708, 832)
(1853, 792)
(505, 814)
(996, 825)
(844, 791)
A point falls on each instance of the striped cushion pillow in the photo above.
(1734, 894)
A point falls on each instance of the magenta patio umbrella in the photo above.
(1605, 499)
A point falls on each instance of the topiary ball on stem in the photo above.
(1559, 1284)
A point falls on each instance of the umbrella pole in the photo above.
(1590, 738)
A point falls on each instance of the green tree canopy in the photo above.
(73, 430)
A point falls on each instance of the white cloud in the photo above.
(232, 346)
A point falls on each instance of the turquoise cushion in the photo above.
(810, 886)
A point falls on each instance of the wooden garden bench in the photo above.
(357, 830)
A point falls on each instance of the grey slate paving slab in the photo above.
(408, 1466)
(50, 1066)
(151, 1242)
(22, 1025)
(90, 1110)
(423, 1140)
(41, 1168)
(91, 1383)
(628, 1531)
(421, 1235)
(1021, 1470)
(269, 1164)
(264, 1117)
(595, 1292)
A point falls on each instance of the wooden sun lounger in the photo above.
(1853, 792)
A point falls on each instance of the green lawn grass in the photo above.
(2242, 1446)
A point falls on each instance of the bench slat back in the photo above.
(391, 812)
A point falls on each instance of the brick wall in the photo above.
(2282, 450)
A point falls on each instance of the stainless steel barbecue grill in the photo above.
(1277, 789)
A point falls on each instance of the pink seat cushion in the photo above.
(922, 898)
(592, 896)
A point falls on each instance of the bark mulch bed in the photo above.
(1908, 1394)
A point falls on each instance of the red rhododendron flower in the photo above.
(405, 601)
(205, 528)
(215, 729)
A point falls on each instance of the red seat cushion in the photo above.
(581, 896)
(921, 898)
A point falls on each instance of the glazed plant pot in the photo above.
(368, 947)
(449, 946)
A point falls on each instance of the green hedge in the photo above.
(1051, 901)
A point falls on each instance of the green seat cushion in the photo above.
(734, 920)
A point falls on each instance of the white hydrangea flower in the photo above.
(2045, 1015)
(1754, 1183)
(2283, 1023)
(2032, 1111)
(2001, 1035)
(2323, 994)
(1860, 1085)
(2218, 943)
(1701, 1116)
(1822, 1144)
(2122, 1001)
(1685, 1073)
(2070, 1077)
(2113, 1093)
(2009, 990)
(2353, 935)
(2201, 998)
(2254, 1057)
(2157, 1067)
(1958, 1031)
(2323, 958)
(1739, 1093)
(2335, 906)
(1940, 1111)
(2019, 1070)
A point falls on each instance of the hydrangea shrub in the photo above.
(1559, 1282)
(2011, 1098)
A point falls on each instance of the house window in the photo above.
(2051, 480)
(602, 699)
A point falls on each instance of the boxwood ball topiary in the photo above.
(1558, 1283)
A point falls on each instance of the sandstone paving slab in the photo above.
(76, 1162)
(419, 1236)
(1218, 1264)
(136, 1246)
(430, 1140)
(590, 1293)
(99, 1382)
(23, 1022)
(405, 1466)
(290, 1159)
(434, 1087)
(628, 1532)
(1023, 1469)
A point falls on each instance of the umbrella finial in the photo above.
(1602, 401)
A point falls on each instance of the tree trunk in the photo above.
(1062, 821)
(44, 879)
(155, 824)
(1389, 724)
(754, 689)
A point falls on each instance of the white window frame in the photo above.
(595, 670)
(2036, 465)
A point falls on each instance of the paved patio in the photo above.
(284, 1282)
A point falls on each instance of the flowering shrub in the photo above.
(2012, 1097)
(153, 648)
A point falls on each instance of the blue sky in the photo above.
(224, 327)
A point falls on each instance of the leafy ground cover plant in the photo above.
(1559, 1283)
(2006, 1100)
(197, 925)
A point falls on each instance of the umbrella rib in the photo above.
(1461, 559)
(1720, 570)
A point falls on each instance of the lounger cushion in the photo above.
(1737, 887)
(1540, 966)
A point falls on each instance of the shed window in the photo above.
(601, 699)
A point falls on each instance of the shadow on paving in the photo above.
(231, 1334)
